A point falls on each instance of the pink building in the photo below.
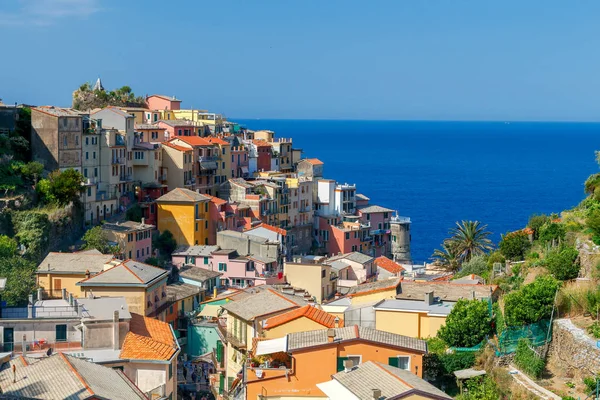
(378, 218)
(224, 216)
(179, 128)
(239, 162)
(243, 271)
(336, 236)
(134, 239)
(160, 102)
(199, 256)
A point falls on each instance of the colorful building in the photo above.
(146, 195)
(177, 166)
(134, 239)
(242, 271)
(315, 278)
(185, 214)
(160, 102)
(387, 268)
(264, 155)
(304, 319)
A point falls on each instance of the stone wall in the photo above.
(573, 351)
(589, 257)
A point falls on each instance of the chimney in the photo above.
(48, 266)
(376, 394)
(24, 345)
(116, 330)
(348, 364)
(40, 293)
(330, 335)
(429, 298)
(143, 221)
(14, 369)
(87, 274)
(336, 322)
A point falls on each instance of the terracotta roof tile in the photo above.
(313, 161)
(216, 140)
(310, 312)
(194, 140)
(272, 228)
(261, 143)
(388, 265)
(216, 200)
(176, 147)
(148, 339)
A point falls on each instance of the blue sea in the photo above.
(438, 173)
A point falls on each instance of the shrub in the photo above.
(594, 330)
(476, 265)
(467, 325)
(590, 383)
(531, 303)
(96, 238)
(20, 279)
(8, 246)
(562, 263)
(514, 245)
(165, 244)
(552, 232)
(528, 360)
(31, 230)
(480, 388)
(134, 213)
(536, 221)
(61, 187)
(153, 261)
(495, 257)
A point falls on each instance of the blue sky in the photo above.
(398, 59)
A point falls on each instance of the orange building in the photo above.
(291, 367)
(307, 318)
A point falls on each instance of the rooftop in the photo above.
(198, 251)
(169, 98)
(308, 311)
(147, 126)
(180, 290)
(388, 265)
(271, 228)
(264, 302)
(435, 309)
(63, 376)
(57, 111)
(471, 279)
(78, 263)
(373, 287)
(392, 381)
(176, 147)
(360, 196)
(116, 110)
(198, 274)
(313, 161)
(128, 273)
(354, 256)
(444, 291)
(103, 308)
(194, 140)
(301, 340)
(373, 209)
(127, 226)
(180, 195)
(148, 339)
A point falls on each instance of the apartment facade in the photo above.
(186, 215)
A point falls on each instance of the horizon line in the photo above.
(414, 120)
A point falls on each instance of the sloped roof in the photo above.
(261, 143)
(180, 290)
(262, 303)
(176, 147)
(127, 226)
(216, 140)
(353, 256)
(271, 228)
(62, 376)
(373, 287)
(373, 209)
(194, 140)
(148, 339)
(445, 291)
(182, 195)
(74, 263)
(308, 311)
(196, 250)
(128, 273)
(301, 340)
(161, 96)
(392, 381)
(198, 274)
(313, 161)
(388, 265)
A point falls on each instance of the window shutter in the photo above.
(393, 361)
(340, 363)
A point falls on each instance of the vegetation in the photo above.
(8, 246)
(153, 261)
(476, 265)
(467, 325)
(528, 360)
(61, 188)
(562, 263)
(531, 303)
(31, 230)
(439, 365)
(590, 383)
(467, 239)
(552, 233)
(86, 98)
(536, 221)
(514, 245)
(165, 244)
(20, 279)
(480, 388)
(447, 257)
(95, 238)
(135, 213)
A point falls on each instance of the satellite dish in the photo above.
(49, 352)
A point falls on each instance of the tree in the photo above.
(32, 171)
(165, 243)
(514, 245)
(592, 183)
(476, 265)
(134, 213)
(467, 325)
(562, 263)
(552, 232)
(480, 388)
(446, 257)
(469, 238)
(8, 246)
(153, 261)
(62, 187)
(20, 279)
(536, 221)
(532, 303)
(95, 238)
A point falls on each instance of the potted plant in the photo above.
(254, 362)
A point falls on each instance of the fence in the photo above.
(537, 334)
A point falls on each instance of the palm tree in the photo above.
(446, 257)
(468, 239)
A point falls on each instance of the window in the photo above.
(171, 371)
(224, 150)
(385, 215)
(223, 163)
(402, 362)
(348, 235)
(323, 273)
(179, 132)
(250, 266)
(196, 227)
(87, 141)
(65, 140)
(95, 172)
(355, 360)
(222, 267)
(205, 260)
(129, 253)
(94, 155)
(76, 140)
(61, 333)
(368, 216)
(137, 254)
(89, 191)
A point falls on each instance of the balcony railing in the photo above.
(158, 392)
(118, 160)
(208, 158)
(125, 178)
(40, 346)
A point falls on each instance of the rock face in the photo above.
(589, 257)
(573, 350)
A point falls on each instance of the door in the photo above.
(8, 339)
(57, 285)
(61, 333)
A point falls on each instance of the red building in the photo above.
(265, 153)
(146, 196)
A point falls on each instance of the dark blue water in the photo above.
(441, 172)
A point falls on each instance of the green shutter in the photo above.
(393, 361)
(221, 383)
(340, 363)
(219, 351)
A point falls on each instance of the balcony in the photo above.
(118, 160)
(379, 232)
(208, 158)
(90, 181)
(158, 392)
(190, 182)
(125, 178)
(305, 209)
(140, 161)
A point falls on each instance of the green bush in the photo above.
(61, 187)
(480, 388)
(594, 330)
(552, 232)
(495, 257)
(476, 265)
(31, 230)
(467, 325)
(562, 263)
(514, 245)
(165, 244)
(8, 246)
(96, 238)
(20, 279)
(531, 303)
(590, 383)
(536, 221)
(135, 213)
(527, 360)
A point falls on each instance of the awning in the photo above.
(335, 390)
(208, 165)
(271, 346)
(210, 310)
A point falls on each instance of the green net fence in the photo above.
(537, 334)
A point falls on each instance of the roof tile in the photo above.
(310, 312)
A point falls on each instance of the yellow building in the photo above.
(304, 319)
(134, 239)
(178, 162)
(186, 215)
(316, 279)
(414, 318)
(142, 285)
(374, 291)
(60, 271)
